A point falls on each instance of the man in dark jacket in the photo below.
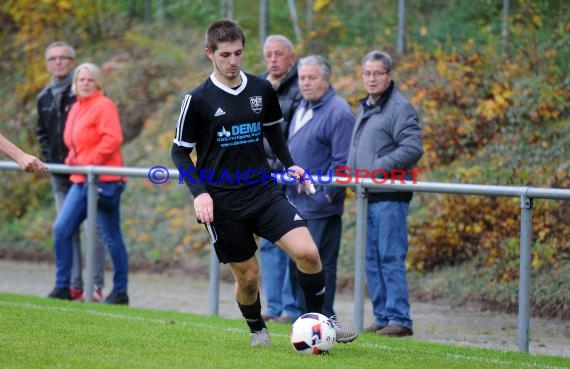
(387, 137)
(279, 57)
(53, 104)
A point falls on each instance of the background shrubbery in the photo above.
(490, 115)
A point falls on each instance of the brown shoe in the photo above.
(395, 330)
(373, 328)
(282, 319)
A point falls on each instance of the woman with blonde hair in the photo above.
(94, 136)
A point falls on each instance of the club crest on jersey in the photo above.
(255, 103)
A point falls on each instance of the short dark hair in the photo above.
(224, 30)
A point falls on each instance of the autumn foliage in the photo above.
(489, 115)
(491, 118)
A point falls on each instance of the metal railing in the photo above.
(525, 194)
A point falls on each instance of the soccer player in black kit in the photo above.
(225, 119)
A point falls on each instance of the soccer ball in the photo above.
(313, 334)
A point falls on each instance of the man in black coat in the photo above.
(279, 56)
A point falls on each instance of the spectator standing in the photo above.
(226, 118)
(53, 104)
(319, 139)
(279, 57)
(387, 136)
(93, 135)
(27, 162)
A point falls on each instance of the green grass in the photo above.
(43, 333)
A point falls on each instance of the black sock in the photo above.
(252, 315)
(313, 286)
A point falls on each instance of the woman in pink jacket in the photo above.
(94, 136)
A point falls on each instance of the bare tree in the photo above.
(227, 8)
(147, 11)
(506, 9)
(263, 21)
(401, 42)
(309, 23)
(309, 15)
(160, 10)
(295, 20)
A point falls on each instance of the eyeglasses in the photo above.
(51, 59)
(374, 74)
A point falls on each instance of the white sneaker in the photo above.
(343, 334)
(260, 338)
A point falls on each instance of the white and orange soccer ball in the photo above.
(313, 334)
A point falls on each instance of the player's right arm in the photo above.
(182, 146)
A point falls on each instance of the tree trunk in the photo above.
(147, 11)
(160, 10)
(401, 43)
(227, 9)
(263, 21)
(309, 23)
(506, 10)
(295, 20)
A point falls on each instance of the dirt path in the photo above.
(432, 322)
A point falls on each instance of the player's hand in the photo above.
(31, 164)
(306, 185)
(204, 207)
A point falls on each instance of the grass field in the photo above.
(38, 332)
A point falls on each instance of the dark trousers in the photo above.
(326, 233)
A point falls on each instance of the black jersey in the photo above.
(225, 126)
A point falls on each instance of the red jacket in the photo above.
(93, 135)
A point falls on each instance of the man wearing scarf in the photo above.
(279, 57)
(53, 104)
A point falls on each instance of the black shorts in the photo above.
(234, 239)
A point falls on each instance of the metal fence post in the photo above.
(359, 252)
(90, 231)
(524, 279)
(214, 286)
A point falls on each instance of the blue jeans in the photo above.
(275, 281)
(71, 215)
(61, 185)
(386, 251)
(326, 233)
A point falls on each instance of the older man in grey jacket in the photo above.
(386, 138)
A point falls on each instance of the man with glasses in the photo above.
(53, 104)
(387, 136)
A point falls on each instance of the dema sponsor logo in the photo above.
(224, 133)
(245, 128)
(240, 129)
(239, 134)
